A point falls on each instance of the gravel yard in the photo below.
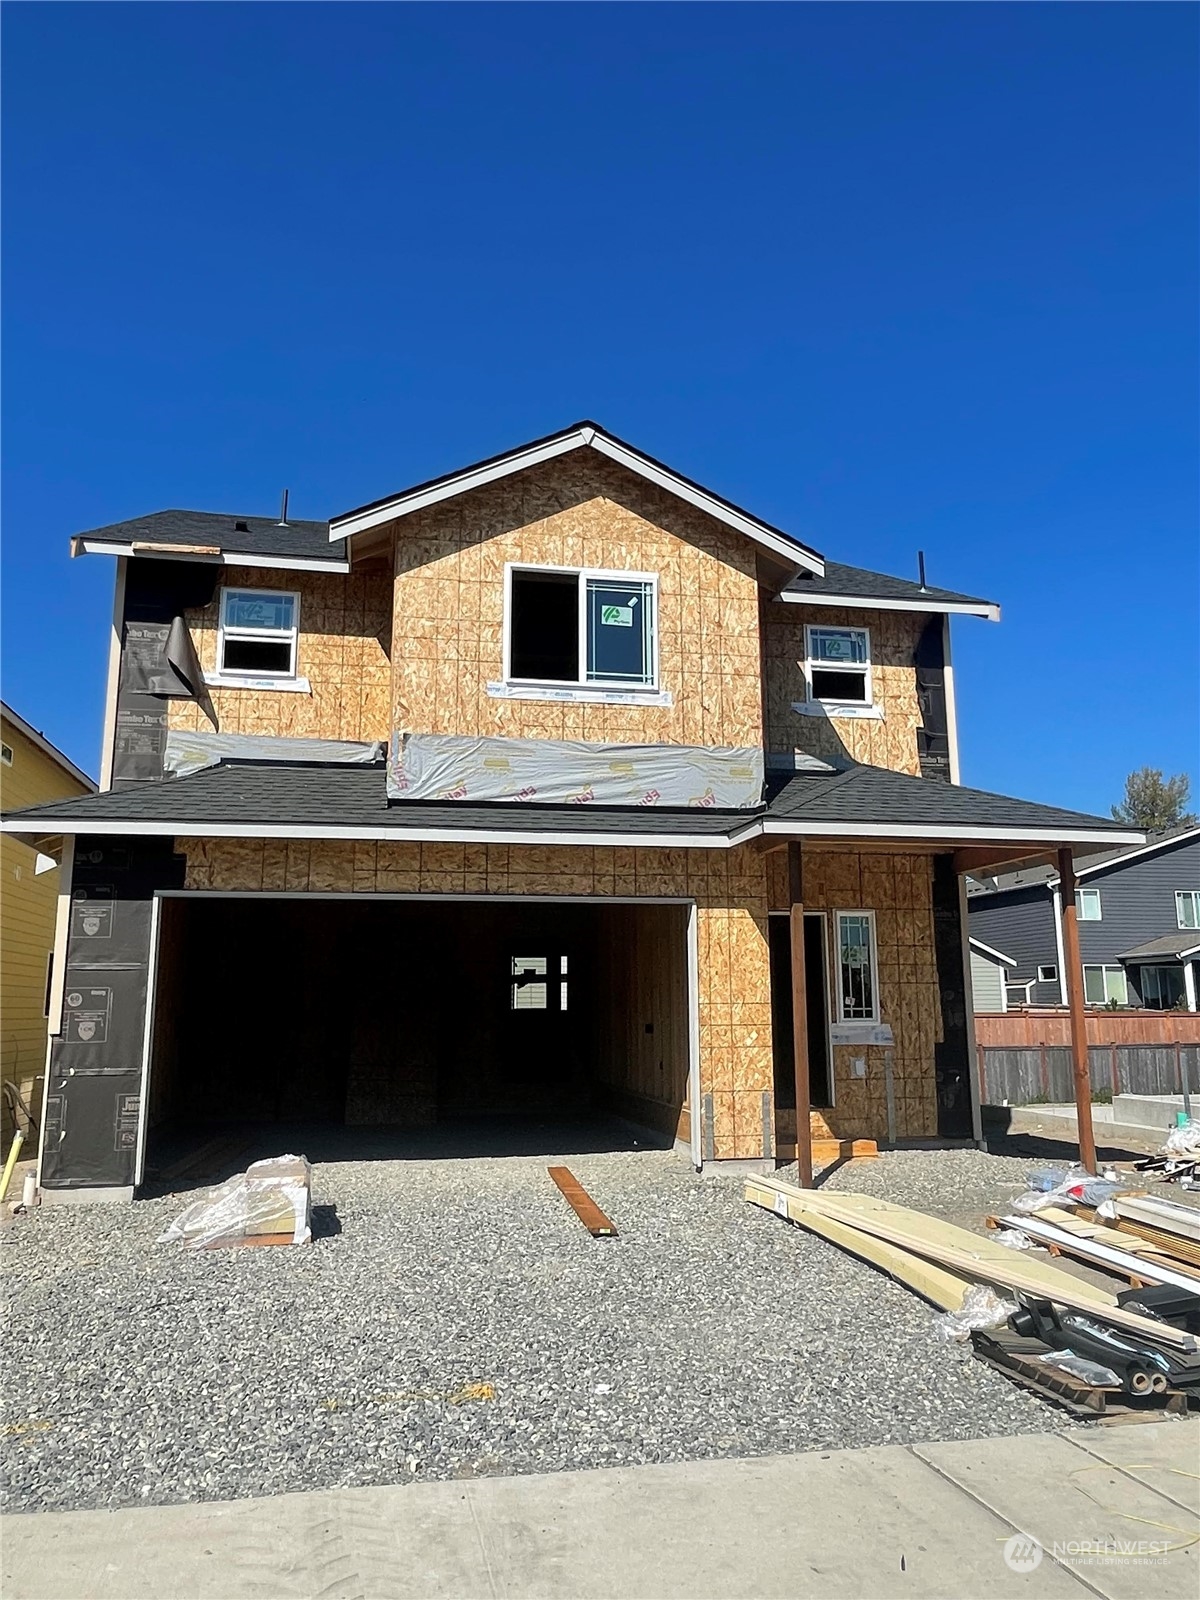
(139, 1373)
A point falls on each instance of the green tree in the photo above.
(1153, 802)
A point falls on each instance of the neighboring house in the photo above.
(31, 771)
(501, 796)
(989, 976)
(1139, 926)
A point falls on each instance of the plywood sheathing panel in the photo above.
(344, 623)
(891, 742)
(733, 890)
(581, 511)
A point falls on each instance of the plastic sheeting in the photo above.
(267, 1202)
(192, 752)
(569, 772)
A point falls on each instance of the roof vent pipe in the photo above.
(921, 566)
(283, 521)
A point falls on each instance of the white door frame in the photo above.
(596, 901)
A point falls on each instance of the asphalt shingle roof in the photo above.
(1170, 944)
(354, 796)
(873, 794)
(840, 579)
(255, 536)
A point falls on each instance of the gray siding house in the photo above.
(1139, 927)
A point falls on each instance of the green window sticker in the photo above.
(617, 616)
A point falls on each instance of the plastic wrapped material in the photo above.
(1075, 1187)
(982, 1307)
(191, 751)
(446, 767)
(1093, 1372)
(1183, 1140)
(269, 1203)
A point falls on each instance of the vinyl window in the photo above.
(1162, 987)
(1087, 905)
(258, 634)
(1104, 985)
(6, 755)
(580, 627)
(857, 966)
(1048, 974)
(838, 666)
(1187, 908)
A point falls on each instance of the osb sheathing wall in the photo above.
(579, 511)
(899, 889)
(729, 888)
(733, 891)
(342, 651)
(890, 742)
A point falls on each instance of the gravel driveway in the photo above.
(140, 1373)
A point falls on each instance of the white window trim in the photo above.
(876, 1016)
(1180, 896)
(1047, 968)
(532, 688)
(1079, 899)
(231, 676)
(851, 708)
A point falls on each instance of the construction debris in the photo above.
(268, 1204)
(1067, 1338)
(581, 1202)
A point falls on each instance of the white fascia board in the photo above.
(431, 835)
(988, 950)
(950, 833)
(403, 505)
(865, 602)
(750, 526)
(1133, 855)
(225, 558)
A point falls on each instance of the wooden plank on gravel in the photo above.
(967, 1253)
(581, 1202)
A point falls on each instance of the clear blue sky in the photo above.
(892, 277)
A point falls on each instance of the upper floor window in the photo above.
(258, 633)
(581, 627)
(6, 756)
(1087, 905)
(1187, 908)
(838, 668)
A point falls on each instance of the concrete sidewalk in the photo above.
(930, 1520)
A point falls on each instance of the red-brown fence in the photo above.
(1051, 1025)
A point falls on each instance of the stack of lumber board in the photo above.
(913, 1244)
(1125, 1254)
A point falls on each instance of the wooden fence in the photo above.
(1043, 1073)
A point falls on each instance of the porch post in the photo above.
(804, 1160)
(1075, 1000)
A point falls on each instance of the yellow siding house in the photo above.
(31, 770)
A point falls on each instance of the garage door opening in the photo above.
(386, 1027)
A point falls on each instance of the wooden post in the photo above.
(1075, 1001)
(804, 1157)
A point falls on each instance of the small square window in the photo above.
(1087, 905)
(6, 754)
(1187, 908)
(1048, 974)
(259, 630)
(838, 668)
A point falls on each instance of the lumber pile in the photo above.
(1070, 1339)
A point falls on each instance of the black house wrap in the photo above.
(951, 1056)
(94, 1085)
(155, 664)
(933, 736)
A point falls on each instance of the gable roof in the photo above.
(1032, 877)
(40, 741)
(991, 953)
(580, 436)
(877, 591)
(235, 540)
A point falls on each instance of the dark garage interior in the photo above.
(397, 1016)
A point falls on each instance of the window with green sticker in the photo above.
(593, 629)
